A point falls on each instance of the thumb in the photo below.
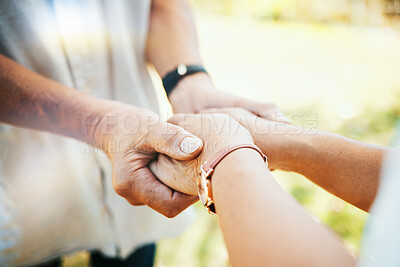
(174, 141)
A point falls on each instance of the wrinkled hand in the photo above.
(133, 137)
(217, 132)
(197, 92)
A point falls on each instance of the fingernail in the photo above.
(190, 145)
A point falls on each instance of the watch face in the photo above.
(182, 69)
(202, 189)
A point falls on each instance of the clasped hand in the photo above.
(218, 128)
(156, 163)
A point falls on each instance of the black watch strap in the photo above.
(172, 78)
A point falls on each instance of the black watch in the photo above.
(172, 78)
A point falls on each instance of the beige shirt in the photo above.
(56, 195)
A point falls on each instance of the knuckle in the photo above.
(120, 189)
(171, 213)
(172, 209)
(121, 186)
(134, 202)
(125, 190)
(173, 134)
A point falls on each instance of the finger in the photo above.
(212, 110)
(241, 115)
(278, 116)
(233, 111)
(189, 122)
(154, 168)
(158, 196)
(174, 141)
(264, 110)
(174, 175)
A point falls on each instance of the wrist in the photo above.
(117, 124)
(92, 116)
(236, 168)
(190, 93)
(104, 131)
(284, 145)
(205, 180)
(292, 152)
(301, 154)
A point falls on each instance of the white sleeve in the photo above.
(381, 242)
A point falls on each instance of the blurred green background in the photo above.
(330, 64)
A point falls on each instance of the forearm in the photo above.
(347, 168)
(262, 225)
(172, 36)
(172, 41)
(33, 101)
(344, 167)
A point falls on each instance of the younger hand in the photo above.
(197, 92)
(217, 132)
(273, 138)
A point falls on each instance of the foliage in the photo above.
(370, 12)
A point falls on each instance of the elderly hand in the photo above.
(217, 132)
(133, 137)
(197, 92)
